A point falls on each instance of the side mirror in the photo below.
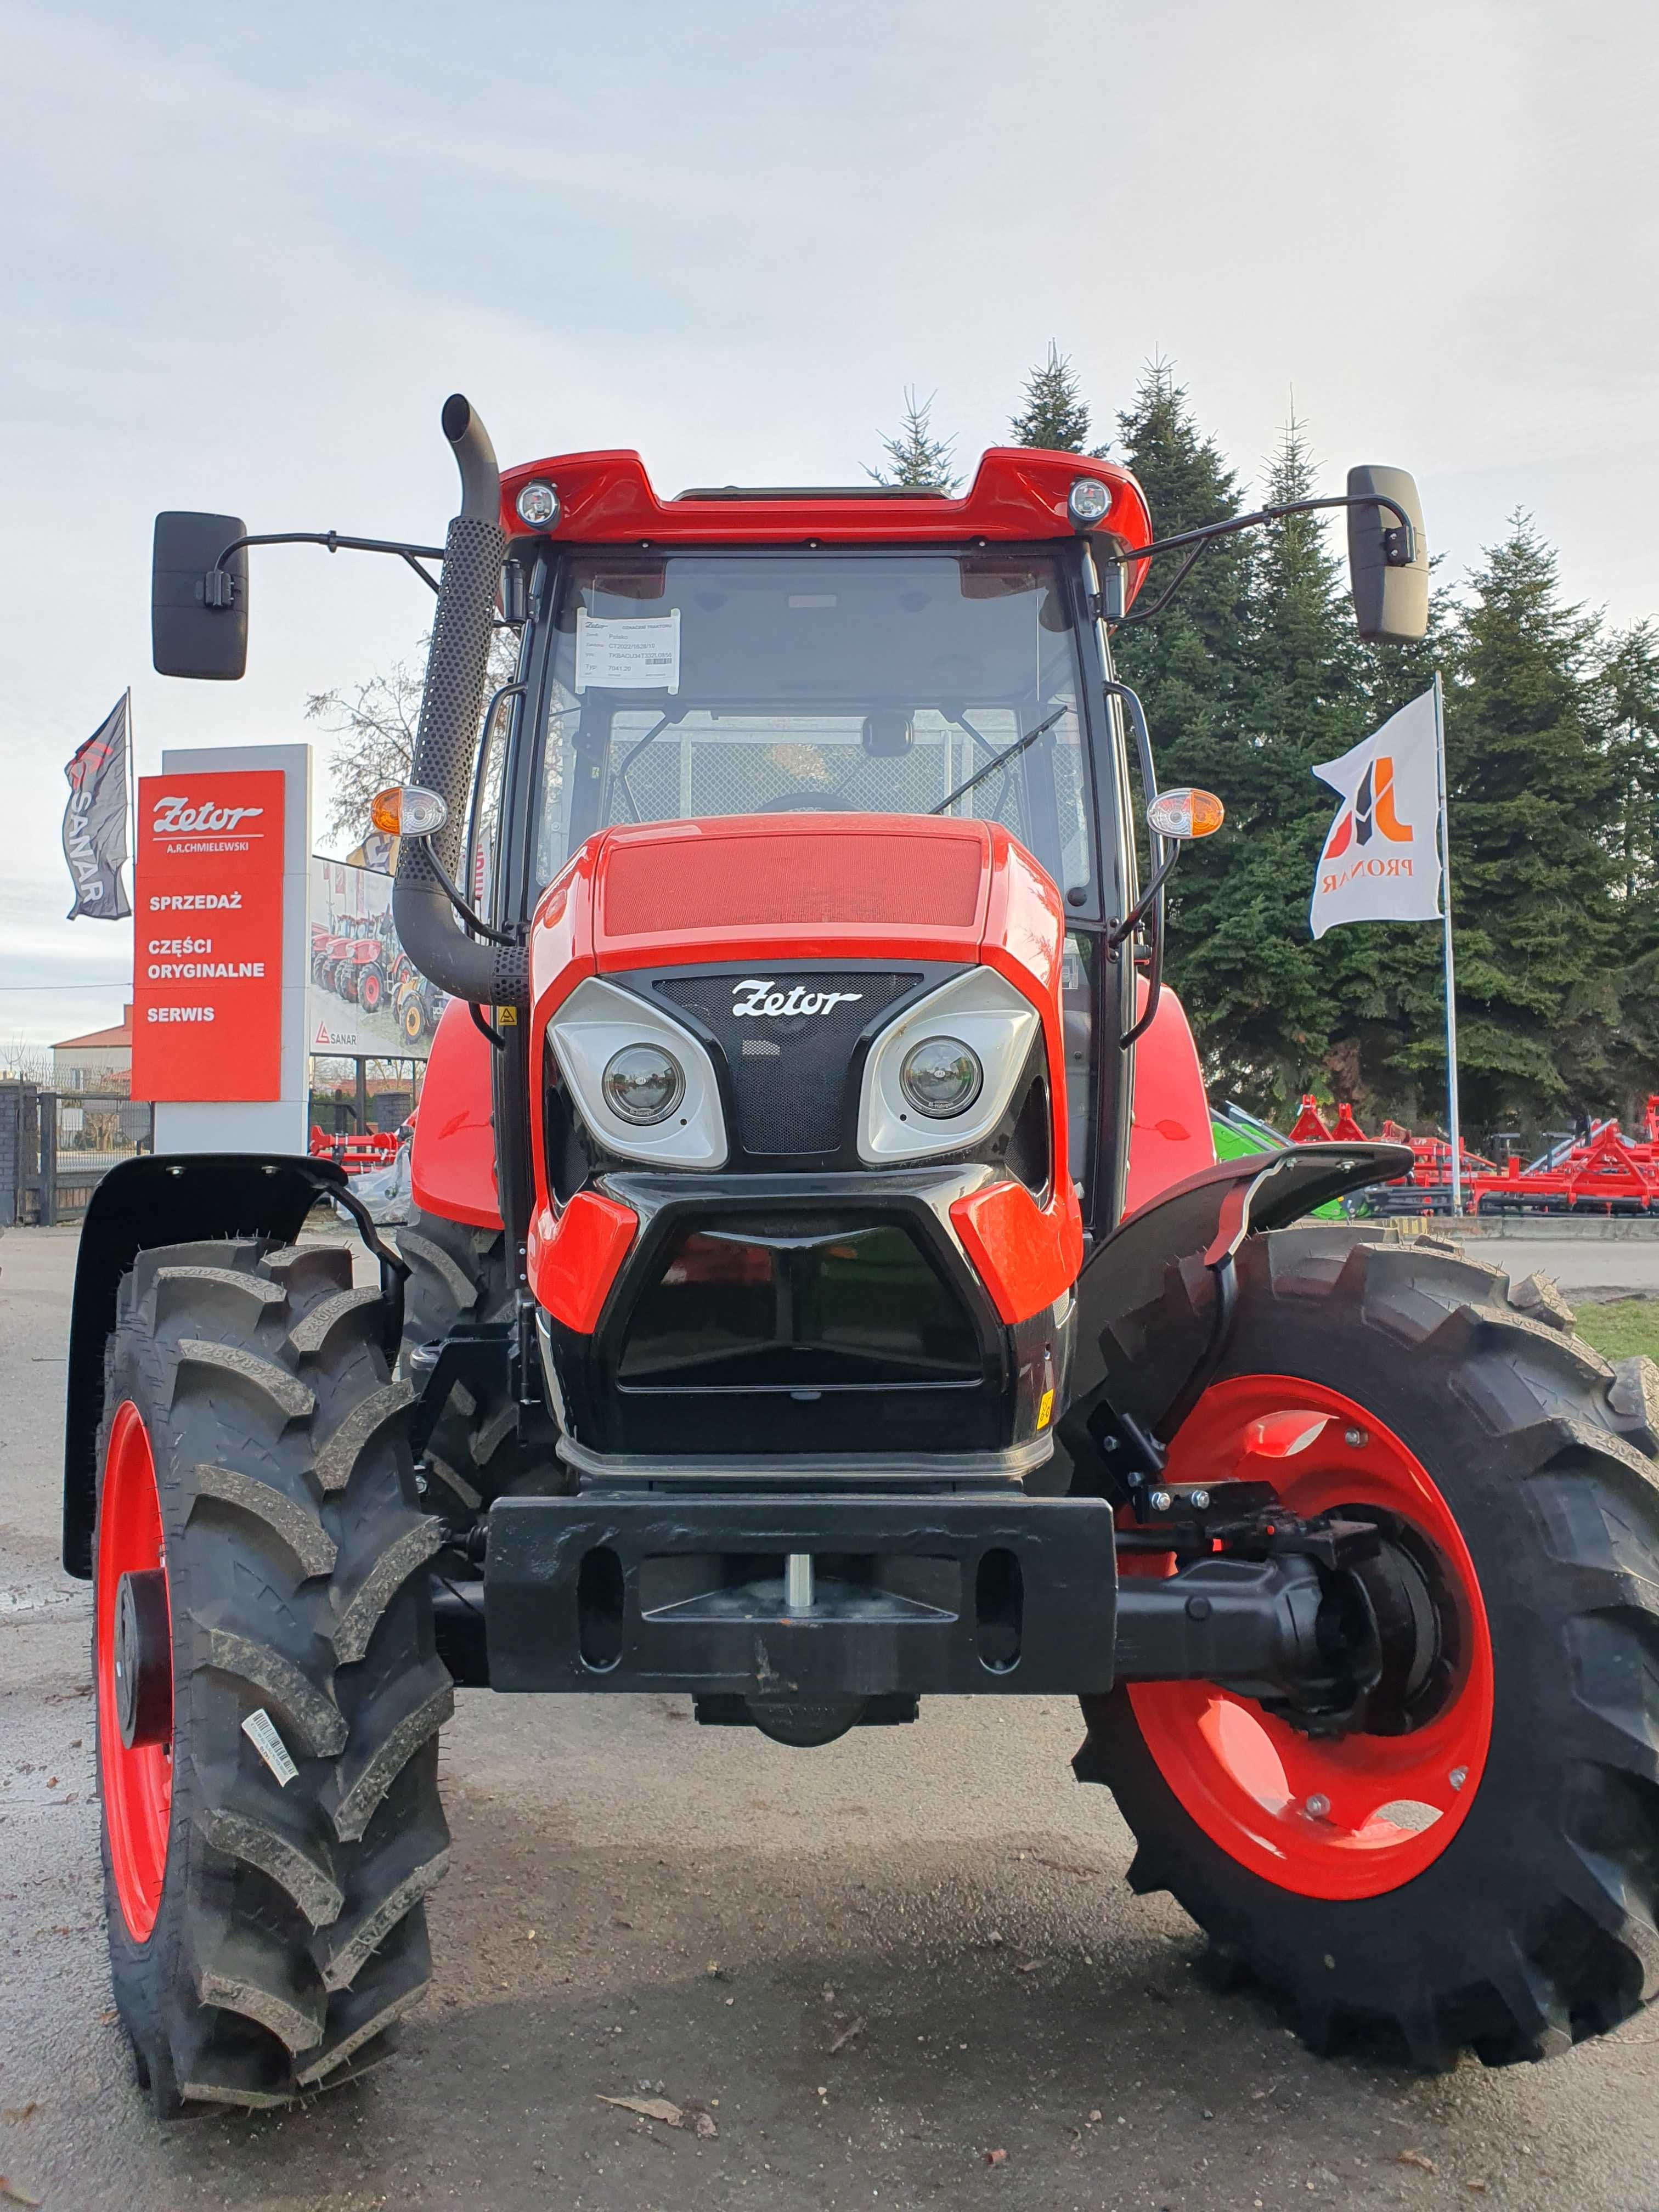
(195, 630)
(1387, 560)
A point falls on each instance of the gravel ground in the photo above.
(870, 1966)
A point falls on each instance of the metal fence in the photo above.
(56, 1147)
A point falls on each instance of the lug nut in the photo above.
(1160, 1500)
(1458, 1776)
(1356, 1437)
(1317, 1806)
(1199, 1500)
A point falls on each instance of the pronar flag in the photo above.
(96, 819)
(1381, 856)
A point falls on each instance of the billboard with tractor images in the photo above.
(367, 999)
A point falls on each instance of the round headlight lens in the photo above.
(539, 505)
(941, 1076)
(1087, 500)
(642, 1084)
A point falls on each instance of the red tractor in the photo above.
(824, 1293)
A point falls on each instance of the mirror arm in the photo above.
(511, 691)
(1162, 862)
(1145, 614)
(454, 893)
(1399, 544)
(1137, 913)
(217, 585)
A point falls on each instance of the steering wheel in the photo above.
(805, 804)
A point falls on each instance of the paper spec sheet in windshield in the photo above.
(208, 937)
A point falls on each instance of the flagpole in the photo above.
(1452, 1117)
(132, 821)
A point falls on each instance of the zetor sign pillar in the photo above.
(220, 951)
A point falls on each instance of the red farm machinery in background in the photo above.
(1600, 1171)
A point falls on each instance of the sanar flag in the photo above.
(1381, 856)
(96, 819)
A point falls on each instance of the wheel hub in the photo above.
(134, 1673)
(1333, 1804)
(143, 1659)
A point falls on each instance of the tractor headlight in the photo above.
(643, 1083)
(539, 505)
(644, 1087)
(1088, 502)
(941, 1077)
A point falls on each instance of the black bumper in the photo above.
(915, 1596)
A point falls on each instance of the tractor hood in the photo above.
(803, 888)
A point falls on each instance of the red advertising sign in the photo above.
(207, 936)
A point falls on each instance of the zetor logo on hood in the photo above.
(176, 817)
(757, 995)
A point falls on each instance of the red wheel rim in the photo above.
(136, 1782)
(1360, 1814)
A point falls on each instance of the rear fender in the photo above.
(158, 1201)
(1170, 1136)
(1137, 1347)
(452, 1162)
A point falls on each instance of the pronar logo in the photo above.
(1372, 810)
(758, 994)
(175, 816)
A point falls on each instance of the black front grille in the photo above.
(789, 1072)
(797, 1302)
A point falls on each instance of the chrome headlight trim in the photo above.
(590, 1029)
(983, 1010)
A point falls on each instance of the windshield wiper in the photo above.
(1001, 759)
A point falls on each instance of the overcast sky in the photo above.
(248, 252)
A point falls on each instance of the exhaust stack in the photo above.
(447, 739)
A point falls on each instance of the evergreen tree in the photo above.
(915, 457)
(1184, 664)
(1629, 687)
(1267, 993)
(1054, 415)
(1626, 692)
(1531, 792)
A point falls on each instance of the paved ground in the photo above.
(1597, 1262)
(639, 1907)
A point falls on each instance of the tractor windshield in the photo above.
(708, 684)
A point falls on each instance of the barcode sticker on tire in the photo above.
(261, 1732)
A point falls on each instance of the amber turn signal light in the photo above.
(1185, 813)
(407, 810)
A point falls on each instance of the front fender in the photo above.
(1136, 1345)
(142, 1203)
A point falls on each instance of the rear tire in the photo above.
(278, 1931)
(1536, 1922)
(459, 1274)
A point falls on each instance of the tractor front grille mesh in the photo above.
(790, 1073)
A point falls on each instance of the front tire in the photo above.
(1480, 1867)
(264, 1908)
